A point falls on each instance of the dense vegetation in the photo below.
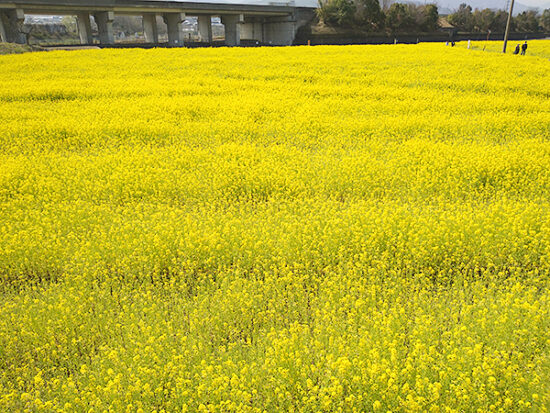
(12, 48)
(413, 18)
(368, 15)
(484, 20)
(312, 229)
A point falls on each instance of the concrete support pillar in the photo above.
(205, 28)
(232, 23)
(280, 30)
(175, 33)
(252, 31)
(3, 32)
(104, 21)
(11, 25)
(150, 28)
(17, 19)
(84, 28)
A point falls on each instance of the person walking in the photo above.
(516, 50)
(524, 48)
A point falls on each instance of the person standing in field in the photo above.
(524, 48)
(516, 50)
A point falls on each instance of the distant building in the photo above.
(444, 26)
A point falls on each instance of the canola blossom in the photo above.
(309, 229)
(539, 48)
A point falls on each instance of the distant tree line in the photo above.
(368, 15)
(468, 20)
(409, 17)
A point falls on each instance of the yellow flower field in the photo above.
(539, 48)
(310, 229)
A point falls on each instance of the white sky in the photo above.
(535, 3)
(314, 3)
(453, 4)
(298, 3)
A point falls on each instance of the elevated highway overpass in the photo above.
(267, 22)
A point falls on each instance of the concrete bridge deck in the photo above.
(273, 23)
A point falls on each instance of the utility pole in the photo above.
(508, 26)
